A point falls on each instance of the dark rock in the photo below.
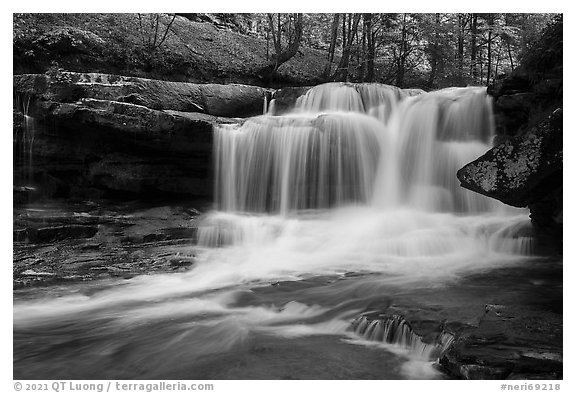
(525, 167)
(121, 147)
(181, 261)
(232, 100)
(474, 371)
(82, 241)
(525, 171)
(55, 233)
(522, 170)
(24, 194)
(17, 121)
(534, 88)
(285, 98)
(500, 347)
(111, 136)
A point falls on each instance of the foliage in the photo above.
(409, 50)
(542, 56)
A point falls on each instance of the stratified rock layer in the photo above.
(104, 135)
(232, 100)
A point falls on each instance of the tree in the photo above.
(349, 32)
(283, 27)
(332, 48)
(371, 47)
(474, 47)
(152, 36)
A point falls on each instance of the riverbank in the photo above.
(506, 322)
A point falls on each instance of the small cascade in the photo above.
(341, 97)
(375, 99)
(265, 105)
(394, 329)
(24, 141)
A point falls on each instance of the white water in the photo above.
(358, 179)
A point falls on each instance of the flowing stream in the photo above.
(321, 217)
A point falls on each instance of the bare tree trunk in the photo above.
(474, 48)
(347, 39)
(402, 55)
(498, 58)
(332, 47)
(480, 64)
(361, 56)
(434, 49)
(490, 18)
(371, 47)
(461, 27)
(510, 56)
(282, 55)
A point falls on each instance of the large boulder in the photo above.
(525, 167)
(524, 171)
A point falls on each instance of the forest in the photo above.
(426, 51)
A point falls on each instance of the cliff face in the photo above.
(525, 167)
(99, 134)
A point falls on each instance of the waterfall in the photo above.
(24, 141)
(362, 176)
(281, 164)
(356, 144)
(349, 200)
(394, 329)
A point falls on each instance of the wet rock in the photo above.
(525, 167)
(525, 171)
(34, 273)
(98, 147)
(50, 234)
(24, 194)
(116, 136)
(474, 371)
(129, 239)
(508, 341)
(17, 121)
(181, 261)
(522, 170)
(285, 98)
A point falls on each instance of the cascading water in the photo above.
(349, 198)
(24, 141)
(368, 145)
(283, 164)
(362, 178)
(394, 329)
